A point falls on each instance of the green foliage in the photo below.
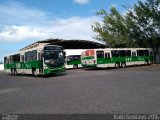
(139, 27)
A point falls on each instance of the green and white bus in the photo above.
(73, 58)
(116, 57)
(39, 60)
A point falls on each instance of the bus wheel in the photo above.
(15, 72)
(12, 72)
(146, 62)
(33, 72)
(75, 66)
(123, 64)
(117, 65)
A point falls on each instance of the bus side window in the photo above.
(122, 53)
(140, 53)
(146, 52)
(115, 53)
(28, 56)
(70, 59)
(77, 57)
(16, 58)
(100, 54)
(128, 53)
(34, 55)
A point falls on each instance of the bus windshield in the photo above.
(53, 58)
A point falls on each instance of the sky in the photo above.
(23, 22)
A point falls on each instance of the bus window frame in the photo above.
(107, 56)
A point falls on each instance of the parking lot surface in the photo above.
(123, 90)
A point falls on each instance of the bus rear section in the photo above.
(88, 58)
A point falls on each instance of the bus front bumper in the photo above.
(49, 71)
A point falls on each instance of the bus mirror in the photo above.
(64, 54)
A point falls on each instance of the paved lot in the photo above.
(124, 90)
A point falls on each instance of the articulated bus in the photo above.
(42, 60)
(120, 57)
(73, 58)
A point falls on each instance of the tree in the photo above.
(139, 27)
(113, 30)
(147, 19)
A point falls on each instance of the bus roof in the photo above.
(74, 51)
(40, 47)
(123, 49)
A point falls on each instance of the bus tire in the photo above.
(146, 62)
(123, 64)
(117, 65)
(75, 66)
(15, 71)
(12, 71)
(33, 71)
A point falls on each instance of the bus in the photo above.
(41, 60)
(73, 58)
(116, 57)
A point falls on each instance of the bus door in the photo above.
(134, 57)
(40, 59)
(100, 57)
(22, 63)
(108, 59)
(101, 60)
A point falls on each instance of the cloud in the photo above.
(71, 28)
(20, 23)
(113, 5)
(19, 33)
(17, 13)
(81, 2)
